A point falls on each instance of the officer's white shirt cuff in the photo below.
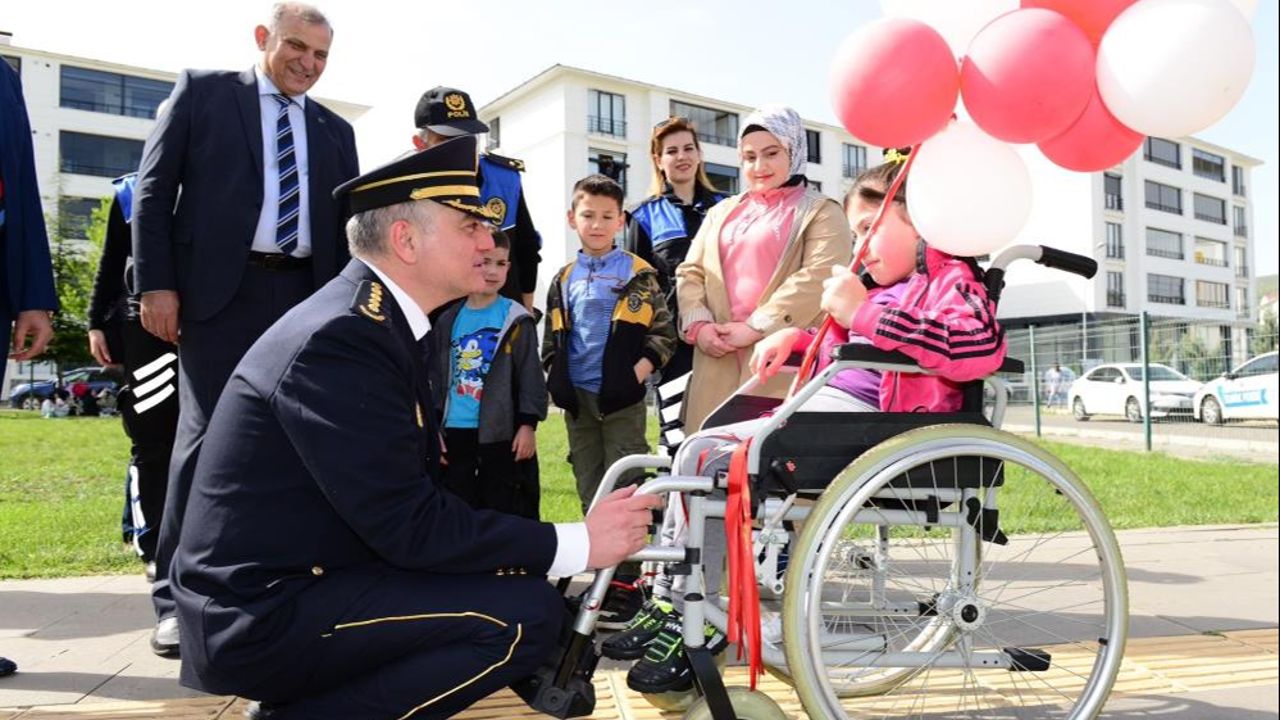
(572, 548)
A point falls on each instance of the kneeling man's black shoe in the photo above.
(258, 710)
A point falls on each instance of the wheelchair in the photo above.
(943, 568)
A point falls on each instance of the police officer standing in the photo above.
(321, 569)
(444, 113)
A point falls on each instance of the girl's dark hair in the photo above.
(871, 185)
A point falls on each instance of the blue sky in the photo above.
(386, 53)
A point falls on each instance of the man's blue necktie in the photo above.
(287, 163)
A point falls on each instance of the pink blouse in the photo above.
(752, 241)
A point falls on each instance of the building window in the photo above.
(854, 162)
(1115, 289)
(1237, 180)
(1166, 289)
(1207, 165)
(1165, 198)
(85, 154)
(1163, 152)
(112, 93)
(611, 164)
(1210, 209)
(495, 135)
(813, 139)
(1115, 241)
(14, 62)
(1165, 244)
(1242, 302)
(815, 184)
(1212, 295)
(74, 216)
(1211, 252)
(724, 177)
(1111, 192)
(1241, 225)
(1242, 262)
(718, 127)
(606, 113)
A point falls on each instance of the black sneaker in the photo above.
(665, 667)
(634, 638)
(621, 603)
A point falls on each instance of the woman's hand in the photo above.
(710, 342)
(842, 294)
(771, 353)
(739, 334)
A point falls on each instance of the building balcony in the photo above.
(852, 171)
(1215, 304)
(606, 126)
(1242, 231)
(1215, 219)
(1115, 299)
(1115, 252)
(1167, 299)
(1210, 261)
(1164, 208)
(1170, 254)
(1114, 202)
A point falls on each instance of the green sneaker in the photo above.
(665, 667)
(630, 643)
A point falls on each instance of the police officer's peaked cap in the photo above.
(448, 111)
(445, 173)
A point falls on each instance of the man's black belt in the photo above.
(278, 261)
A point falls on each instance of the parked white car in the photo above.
(1116, 389)
(1247, 392)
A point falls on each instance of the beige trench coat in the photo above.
(818, 240)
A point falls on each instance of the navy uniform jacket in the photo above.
(199, 191)
(26, 276)
(317, 474)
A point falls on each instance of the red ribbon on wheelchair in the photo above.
(744, 590)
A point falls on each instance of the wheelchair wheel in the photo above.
(747, 705)
(956, 571)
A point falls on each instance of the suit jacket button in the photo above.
(317, 571)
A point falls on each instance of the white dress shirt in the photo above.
(572, 542)
(264, 237)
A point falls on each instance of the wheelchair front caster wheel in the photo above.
(675, 701)
(747, 705)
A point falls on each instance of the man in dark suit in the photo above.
(322, 569)
(235, 224)
(27, 298)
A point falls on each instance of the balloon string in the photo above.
(811, 354)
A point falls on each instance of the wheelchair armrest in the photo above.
(872, 356)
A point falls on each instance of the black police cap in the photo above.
(445, 173)
(448, 111)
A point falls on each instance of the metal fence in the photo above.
(1147, 382)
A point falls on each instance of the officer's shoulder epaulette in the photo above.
(368, 301)
(647, 201)
(506, 162)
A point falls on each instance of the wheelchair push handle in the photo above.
(1085, 267)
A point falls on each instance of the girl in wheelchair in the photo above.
(913, 299)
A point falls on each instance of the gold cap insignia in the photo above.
(457, 106)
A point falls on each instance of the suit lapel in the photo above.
(251, 115)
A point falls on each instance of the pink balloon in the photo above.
(894, 82)
(1095, 142)
(1027, 76)
(1093, 16)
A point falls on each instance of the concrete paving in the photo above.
(82, 643)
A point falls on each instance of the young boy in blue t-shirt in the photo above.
(488, 386)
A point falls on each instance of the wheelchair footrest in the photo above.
(562, 687)
(1027, 659)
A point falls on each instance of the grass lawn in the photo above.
(62, 485)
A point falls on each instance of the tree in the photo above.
(74, 264)
(1264, 338)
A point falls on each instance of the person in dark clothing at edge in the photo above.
(444, 113)
(661, 226)
(148, 401)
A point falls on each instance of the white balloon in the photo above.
(1174, 67)
(1247, 8)
(955, 20)
(968, 193)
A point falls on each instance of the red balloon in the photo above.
(894, 82)
(1093, 16)
(1027, 75)
(1095, 142)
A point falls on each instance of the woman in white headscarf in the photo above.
(757, 263)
